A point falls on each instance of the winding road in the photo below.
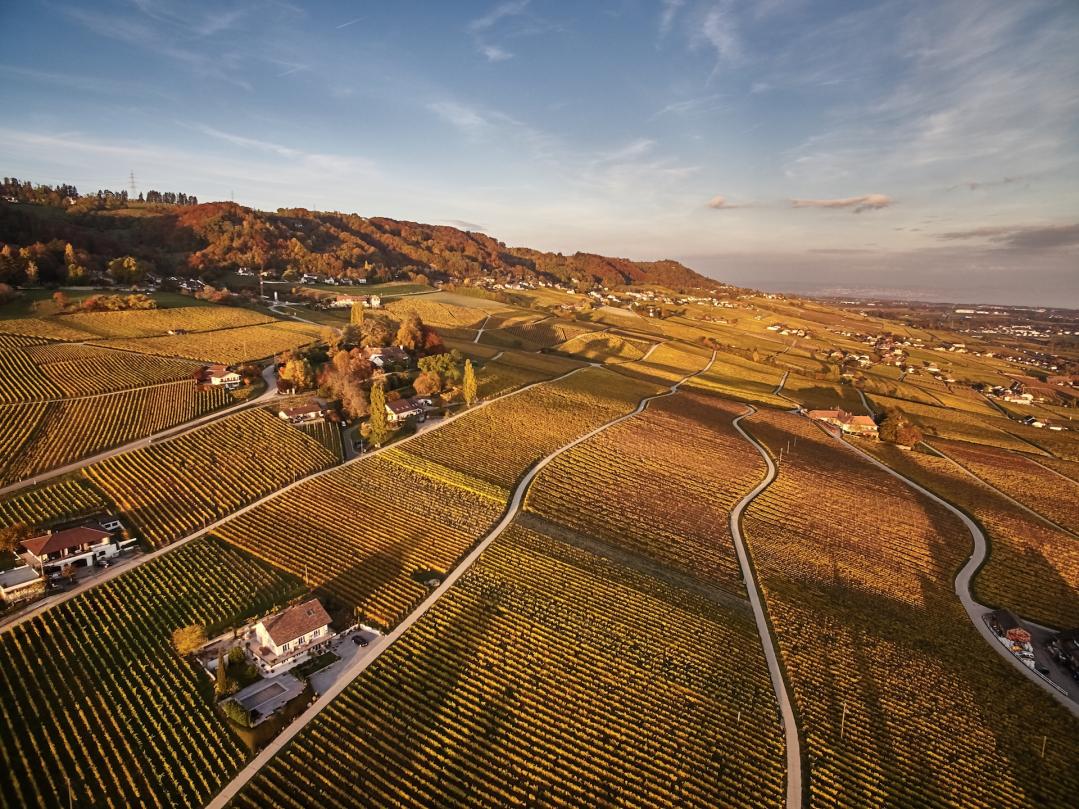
(975, 610)
(779, 685)
(352, 672)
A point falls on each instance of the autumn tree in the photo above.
(378, 430)
(356, 315)
(298, 373)
(187, 639)
(897, 428)
(375, 331)
(468, 385)
(11, 536)
(410, 333)
(428, 383)
(128, 269)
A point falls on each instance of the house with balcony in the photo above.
(287, 638)
(79, 547)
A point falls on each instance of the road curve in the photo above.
(975, 610)
(348, 675)
(786, 709)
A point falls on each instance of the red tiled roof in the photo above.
(295, 621)
(71, 538)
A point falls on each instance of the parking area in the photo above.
(345, 647)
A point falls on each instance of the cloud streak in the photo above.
(721, 203)
(866, 202)
(1022, 237)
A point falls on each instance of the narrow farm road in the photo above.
(483, 325)
(975, 610)
(779, 685)
(865, 402)
(276, 309)
(782, 382)
(11, 621)
(346, 677)
(1036, 515)
(269, 375)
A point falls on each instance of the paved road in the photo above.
(269, 375)
(358, 666)
(1009, 498)
(786, 709)
(11, 621)
(975, 610)
(782, 382)
(865, 402)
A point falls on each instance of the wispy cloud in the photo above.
(690, 106)
(347, 24)
(1029, 237)
(465, 118)
(480, 27)
(247, 143)
(667, 14)
(866, 202)
(974, 185)
(721, 203)
(719, 32)
(631, 151)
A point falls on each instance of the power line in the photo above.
(131, 187)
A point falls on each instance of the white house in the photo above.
(287, 638)
(381, 356)
(311, 410)
(403, 409)
(81, 547)
(222, 375)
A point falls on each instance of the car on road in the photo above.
(359, 640)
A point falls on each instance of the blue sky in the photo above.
(926, 147)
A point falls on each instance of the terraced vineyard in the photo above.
(82, 370)
(38, 437)
(328, 434)
(134, 322)
(62, 500)
(228, 346)
(959, 425)
(499, 442)
(676, 510)
(668, 363)
(735, 377)
(1032, 568)
(548, 676)
(171, 489)
(94, 688)
(902, 703)
(602, 346)
(515, 369)
(359, 533)
(1020, 478)
(436, 313)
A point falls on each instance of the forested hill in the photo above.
(191, 239)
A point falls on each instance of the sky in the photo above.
(909, 148)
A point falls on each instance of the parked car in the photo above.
(359, 640)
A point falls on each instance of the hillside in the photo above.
(192, 239)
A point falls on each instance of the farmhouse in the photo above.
(80, 547)
(847, 422)
(381, 356)
(288, 637)
(221, 375)
(403, 409)
(311, 410)
(20, 583)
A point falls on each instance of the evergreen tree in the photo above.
(468, 386)
(377, 428)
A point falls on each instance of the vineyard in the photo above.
(950, 423)
(668, 363)
(435, 313)
(547, 677)
(134, 322)
(172, 489)
(676, 511)
(547, 332)
(1021, 479)
(902, 703)
(94, 696)
(515, 369)
(228, 346)
(63, 500)
(1032, 568)
(739, 378)
(359, 533)
(500, 441)
(38, 437)
(328, 434)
